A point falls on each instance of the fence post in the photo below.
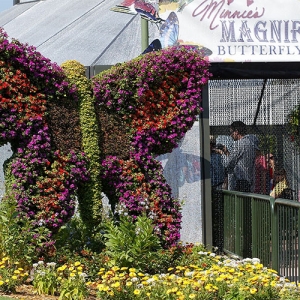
(255, 229)
(274, 235)
(238, 225)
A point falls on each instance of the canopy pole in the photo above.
(144, 34)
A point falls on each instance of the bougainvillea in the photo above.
(157, 96)
(46, 177)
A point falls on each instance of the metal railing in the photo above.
(259, 226)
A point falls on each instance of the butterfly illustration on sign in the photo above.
(148, 10)
(168, 36)
(249, 2)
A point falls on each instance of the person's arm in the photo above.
(232, 158)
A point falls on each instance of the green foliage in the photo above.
(19, 240)
(131, 243)
(267, 143)
(293, 125)
(73, 288)
(11, 275)
(44, 278)
(73, 285)
(90, 199)
(75, 236)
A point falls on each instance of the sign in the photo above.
(235, 30)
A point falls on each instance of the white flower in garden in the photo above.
(51, 264)
(255, 260)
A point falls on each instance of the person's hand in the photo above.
(225, 151)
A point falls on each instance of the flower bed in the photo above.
(206, 276)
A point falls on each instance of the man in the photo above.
(240, 161)
(240, 164)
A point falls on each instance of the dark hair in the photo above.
(239, 126)
(280, 172)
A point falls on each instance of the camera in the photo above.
(220, 147)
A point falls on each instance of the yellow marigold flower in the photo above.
(255, 278)
(79, 268)
(116, 284)
(1, 282)
(124, 268)
(62, 268)
(192, 296)
(259, 266)
(132, 270)
(185, 282)
(208, 287)
(253, 291)
(273, 283)
(17, 272)
(77, 263)
(71, 268)
(128, 283)
(137, 292)
(170, 269)
(14, 277)
(20, 269)
(7, 280)
(100, 287)
(111, 293)
(141, 274)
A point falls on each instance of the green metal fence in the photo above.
(259, 226)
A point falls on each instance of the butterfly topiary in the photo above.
(141, 109)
